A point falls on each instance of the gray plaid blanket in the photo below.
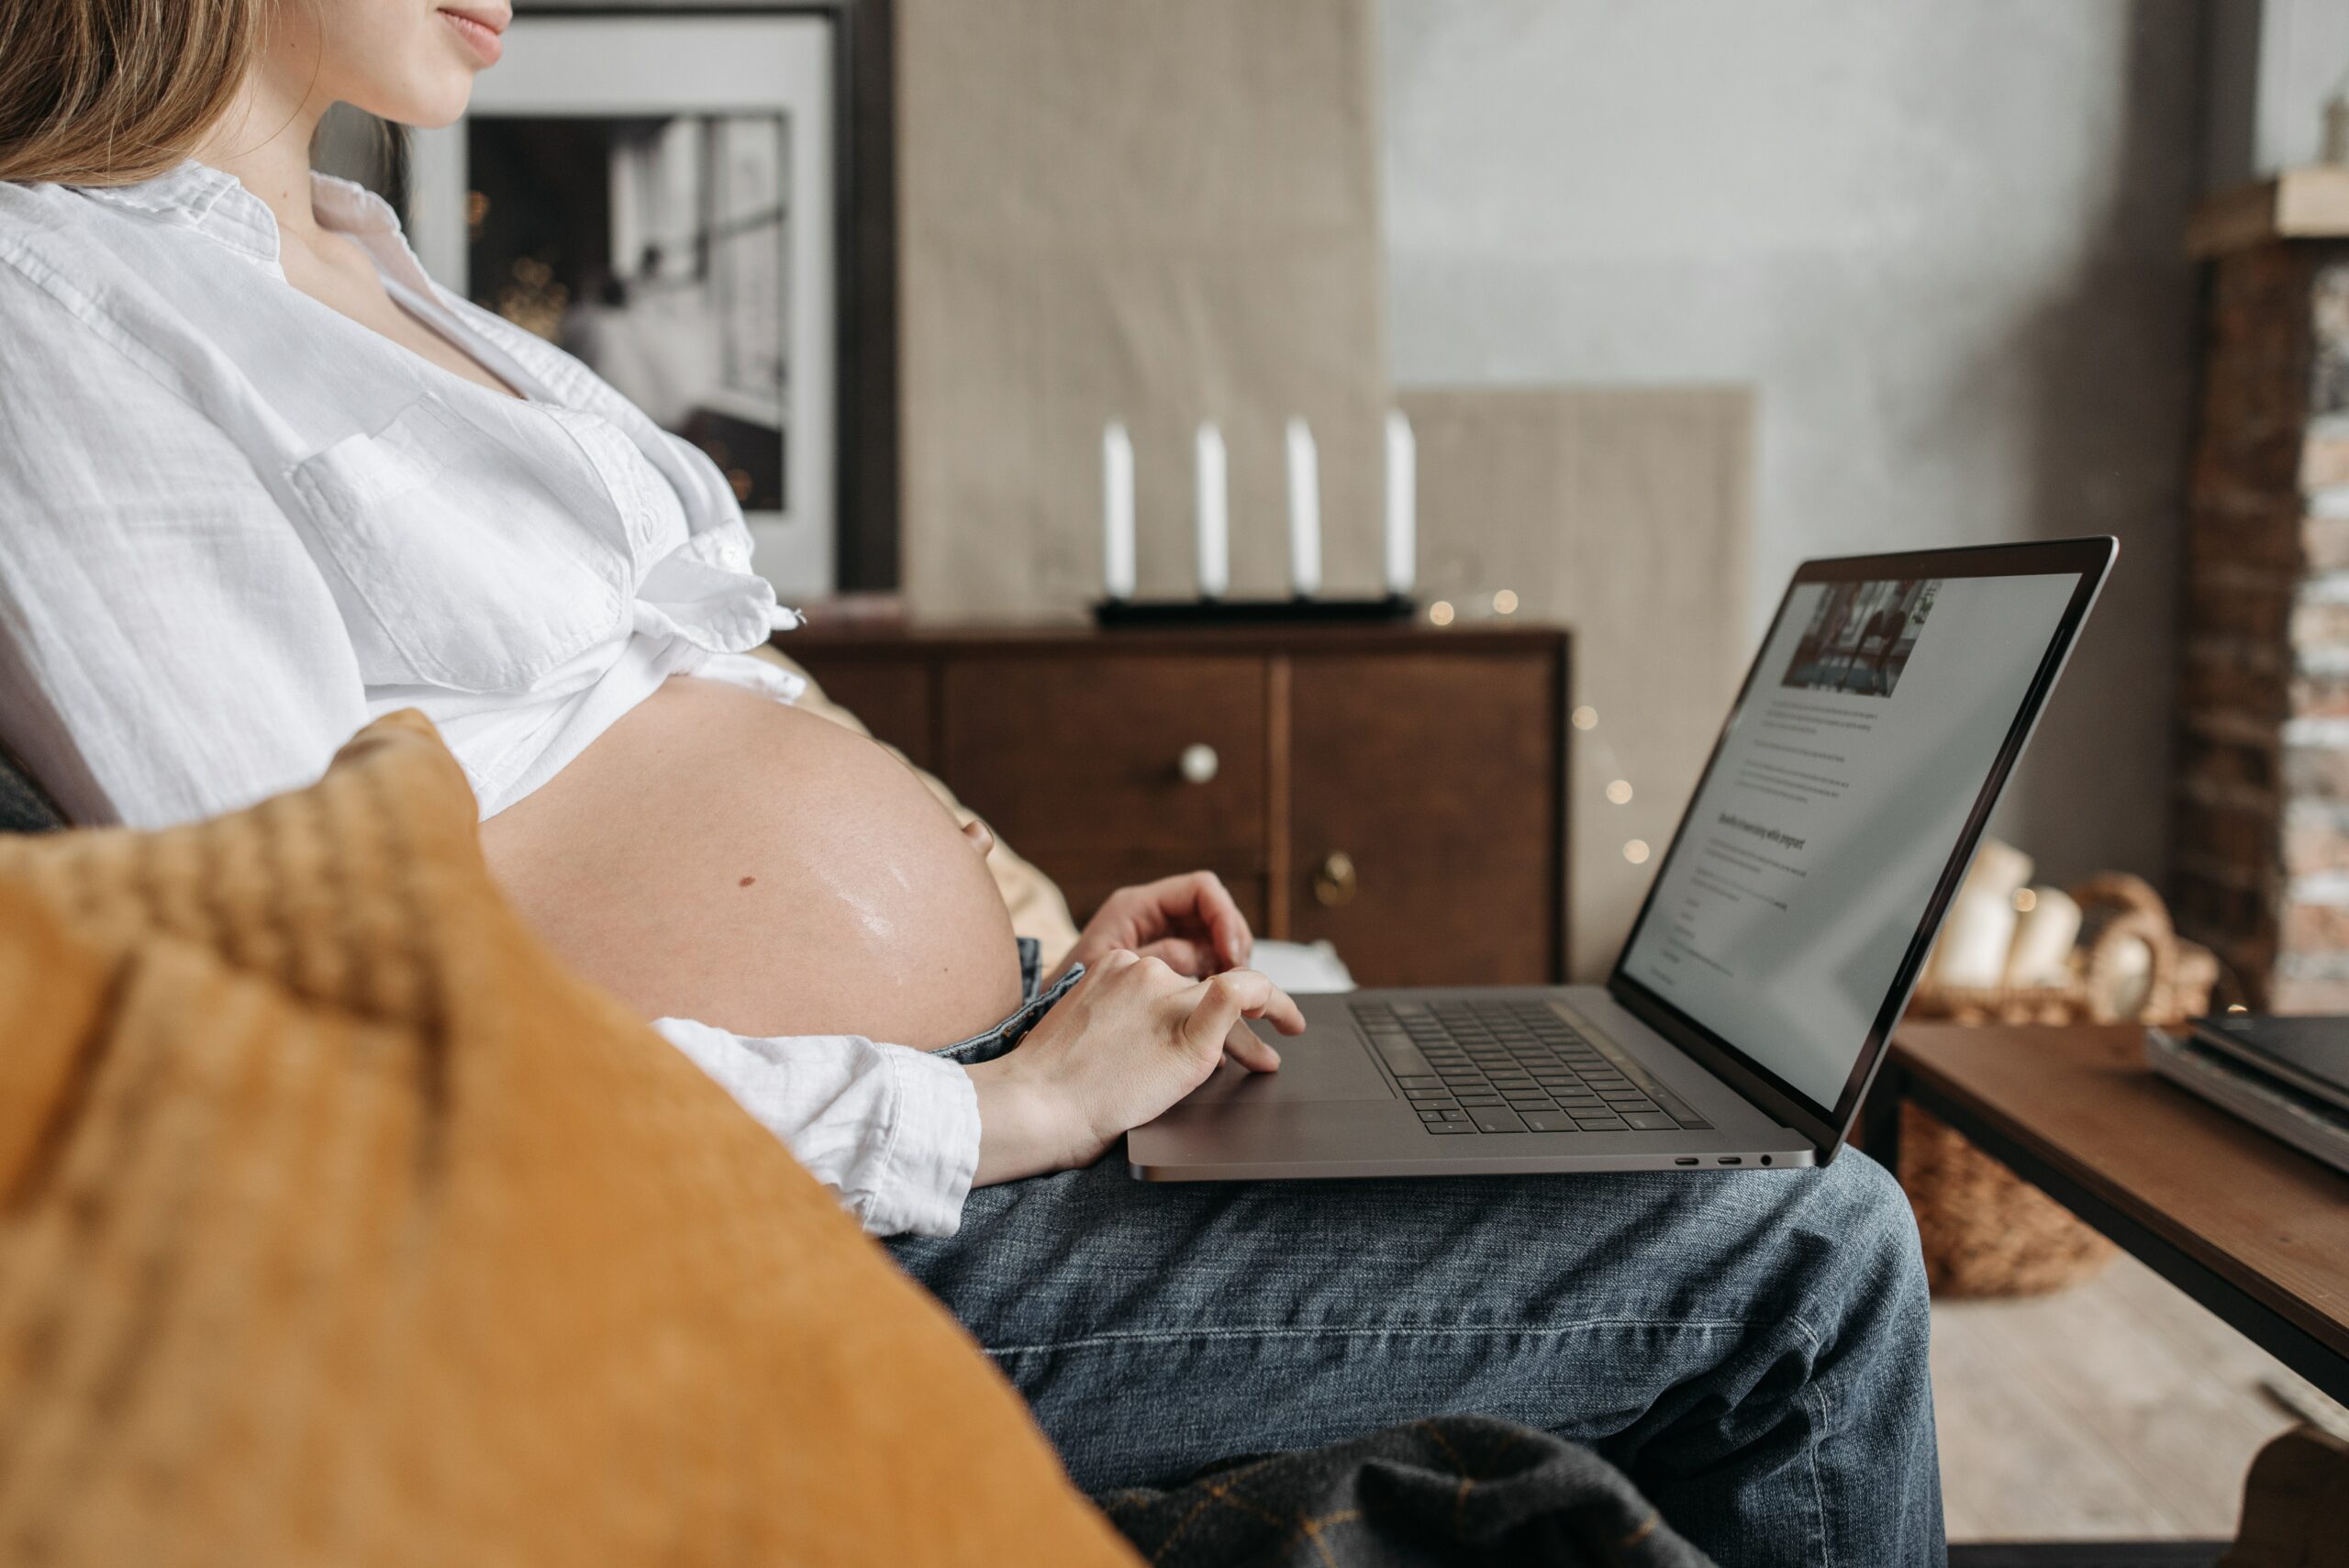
(1457, 1489)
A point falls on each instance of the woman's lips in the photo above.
(479, 34)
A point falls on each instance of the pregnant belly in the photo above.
(715, 856)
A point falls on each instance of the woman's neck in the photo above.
(264, 141)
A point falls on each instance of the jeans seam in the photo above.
(1815, 1385)
(1819, 1487)
(1154, 1336)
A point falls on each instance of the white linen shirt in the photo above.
(236, 526)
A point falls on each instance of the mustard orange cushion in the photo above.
(339, 1223)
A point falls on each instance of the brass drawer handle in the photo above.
(1198, 763)
(1334, 883)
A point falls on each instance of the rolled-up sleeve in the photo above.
(894, 1131)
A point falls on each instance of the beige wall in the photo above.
(1159, 212)
(1165, 211)
(1622, 514)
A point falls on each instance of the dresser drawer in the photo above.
(1430, 763)
(891, 696)
(1427, 830)
(1087, 753)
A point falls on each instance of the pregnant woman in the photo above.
(261, 480)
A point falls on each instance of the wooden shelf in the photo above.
(2299, 204)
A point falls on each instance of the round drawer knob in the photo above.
(1198, 763)
(1334, 882)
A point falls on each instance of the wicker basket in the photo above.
(1986, 1230)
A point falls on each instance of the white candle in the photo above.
(1116, 511)
(2045, 936)
(2126, 978)
(1214, 513)
(1303, 511)
(1402, 504)
(1999, 869)
(1975, 939)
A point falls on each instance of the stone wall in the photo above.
(2261, 861)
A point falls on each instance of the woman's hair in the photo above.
(113, 92)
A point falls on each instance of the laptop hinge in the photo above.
(1764, 1096)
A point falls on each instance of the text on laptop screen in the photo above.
(1839, 791)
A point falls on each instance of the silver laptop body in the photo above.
(1785, 927)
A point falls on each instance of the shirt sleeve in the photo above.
(894, 1131)
(168, 649)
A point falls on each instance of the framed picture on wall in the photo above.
(656, 195)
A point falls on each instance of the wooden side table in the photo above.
(2253, 1230)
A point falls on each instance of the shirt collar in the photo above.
(215, 202)
(197, 197)
(349, 208)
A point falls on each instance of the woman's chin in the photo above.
(443, 104)
(438, 121)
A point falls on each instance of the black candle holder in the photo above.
(1114, 614)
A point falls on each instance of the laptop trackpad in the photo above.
(1328, 1062)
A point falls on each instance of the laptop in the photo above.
(2208, 1063)
(1778, 945)
(2308, 1054)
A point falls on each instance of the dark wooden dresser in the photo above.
(1399, 790)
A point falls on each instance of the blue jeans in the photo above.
(1750, 1347)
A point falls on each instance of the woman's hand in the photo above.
(1128, 1040)
(1189, 922)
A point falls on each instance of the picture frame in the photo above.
(660, 191)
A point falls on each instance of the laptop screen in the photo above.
(1837, 800)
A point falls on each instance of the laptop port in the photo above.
(1730, 1160)
(1686, 1160)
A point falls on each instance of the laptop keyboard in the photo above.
(1515, 1066)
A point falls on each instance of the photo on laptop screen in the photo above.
(1841, 789)
(1861, 635)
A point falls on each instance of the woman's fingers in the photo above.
(1190, 920)
(1214, 1007)
(1131, 1039)
(1197, 902)
(1268, 1001)
(1285, 1014)
(1219, 913)
(1185, 956)
(1222, 1001)
(1244, 1046)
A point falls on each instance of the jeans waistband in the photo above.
(988, 1044)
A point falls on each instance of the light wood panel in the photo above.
(1622, 514)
